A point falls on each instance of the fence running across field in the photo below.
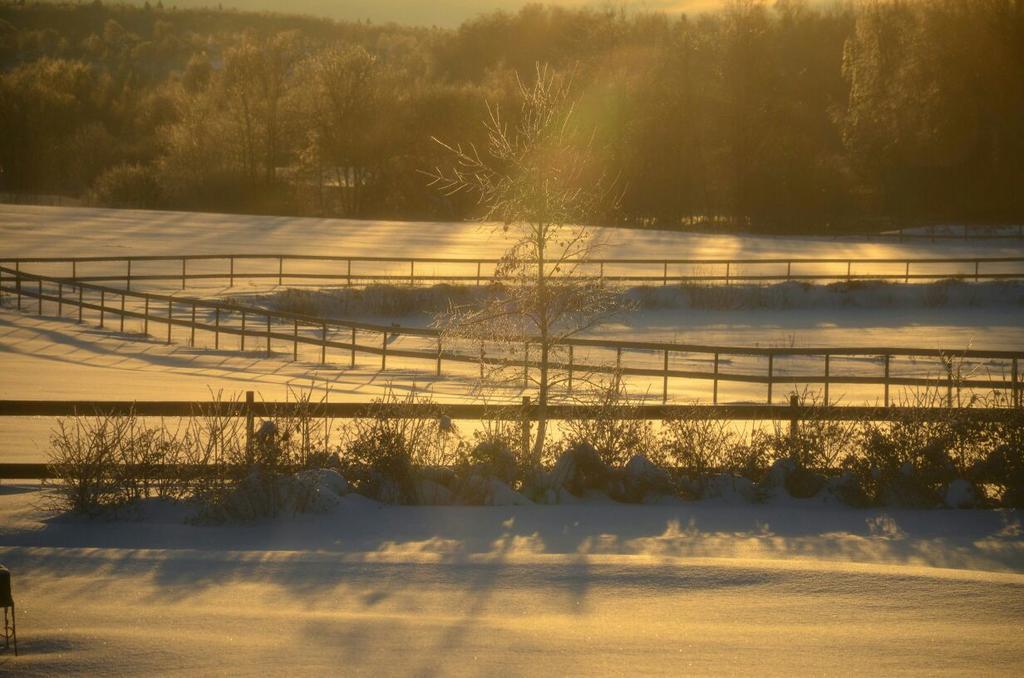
(527, 412)
(358, 270)
(266, 326)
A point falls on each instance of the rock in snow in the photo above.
(961, 494)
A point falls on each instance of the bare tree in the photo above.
(539, 180)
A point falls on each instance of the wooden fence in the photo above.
(250, 408)
(355, 270)
(266, 326)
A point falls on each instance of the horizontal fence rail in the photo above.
(527, 412)
(264, 326)
(357, 270)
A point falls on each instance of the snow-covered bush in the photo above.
(608, 425)
(385, 448)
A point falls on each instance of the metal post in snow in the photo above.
(268, 336)
(183, 260)
(353, 361)
(383, 350)
(771, 364)
(129, 276)
(242, 346)
(280, 271)
(295, 340)
(231, 271)
(39, 297)
(145, 319)
(103, 306)
(323, 344)
(122, 313)
(192, 335)
(80, 304)
(60, 299)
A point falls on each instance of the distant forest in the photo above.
(773, 116)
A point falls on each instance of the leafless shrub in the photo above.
(383, 447)
(105, 462)
(608, 422)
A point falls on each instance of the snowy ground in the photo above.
(41, 357)
(699, 589)
(797, 587)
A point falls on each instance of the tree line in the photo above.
(773, 116)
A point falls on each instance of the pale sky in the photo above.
(434, 12)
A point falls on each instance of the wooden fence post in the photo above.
(664, 383)
(103, 306)
(280, 271)
(525, 427)
(412, 273)
(728, 265)
(295, 340)
(323, 344)
(231, 271)
(664, 274)
(353, 360)
(192, 333)
(886, 381)
(570, 367)
(122, 313)
(268, 335)
(827, 368)
(714, 398)
(526, 364)
(250, 420)
(439, 355)
(242, 348)
(60, 299)
(383, 350)
(39, 297)
(145, 319)
(80, 304)
(170, 314)
(183, 260)
(128, 278)
(216, 329)
(906, 275)
(478, 264)
(771, 365)
(949, 383)
(794, 417)
(1016, 385)
(17, 281)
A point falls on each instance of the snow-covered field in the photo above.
(41, 357)
(790, 587)
(702, 589)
